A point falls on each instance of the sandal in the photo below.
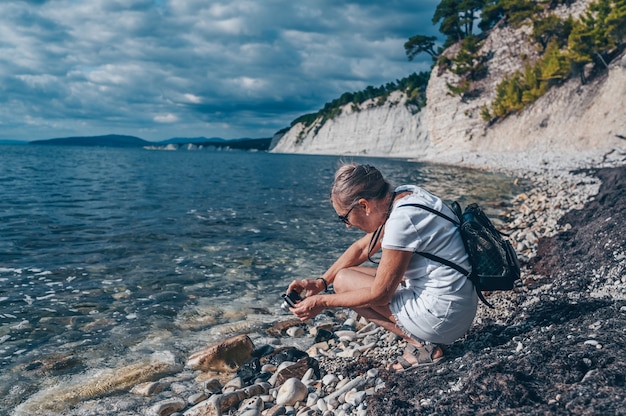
(422, 356)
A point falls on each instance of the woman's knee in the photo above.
(350, 279)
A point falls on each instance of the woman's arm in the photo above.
(390, 272)
(393, 265)
(354, 255)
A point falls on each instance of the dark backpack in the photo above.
(493, 259)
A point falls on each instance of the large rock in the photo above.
(226, 356)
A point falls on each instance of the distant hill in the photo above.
(111, 140)
(114, 140)
(13, 142)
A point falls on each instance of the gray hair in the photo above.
(354, 181)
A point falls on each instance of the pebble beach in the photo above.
(336, 364)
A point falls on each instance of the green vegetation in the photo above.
(567, 47)
(468, 64)
(552, 28)
(523, 88)
(414, 86)
(599, 32)
(456, 18)
(514, 12)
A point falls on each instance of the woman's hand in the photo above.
(309, 287)
(307, 308)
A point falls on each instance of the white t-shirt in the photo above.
(438, 304)
(415, 229)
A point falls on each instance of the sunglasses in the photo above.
(344, 218)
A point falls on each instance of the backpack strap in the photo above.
(433, 211)
(434, 257)
(446, 262)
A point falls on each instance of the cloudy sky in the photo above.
(158, 69)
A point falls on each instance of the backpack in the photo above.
(493, 259)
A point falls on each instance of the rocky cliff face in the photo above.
(572, 121)
(391, 129)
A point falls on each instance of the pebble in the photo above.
(330, 379)
(168, 407)
(197, 398)
(291, 392)
(149, 388)
(593, 343)
(295, 331)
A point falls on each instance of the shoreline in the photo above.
(359, 352)
(527, 162)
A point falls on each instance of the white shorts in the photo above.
(437, 319)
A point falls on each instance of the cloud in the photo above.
(193, 67)
(167, 118)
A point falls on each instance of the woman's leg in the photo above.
(360, 277)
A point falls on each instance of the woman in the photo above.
(426, 303)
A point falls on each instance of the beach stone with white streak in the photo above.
(219, 403)
(276, 410)
(294, 370)
(215, 405)
(234, 384)
(295, 331)
(291, 392)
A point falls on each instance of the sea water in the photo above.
(109, 254)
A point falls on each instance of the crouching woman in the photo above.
(425, 302)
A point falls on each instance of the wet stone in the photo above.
(149, 388)
(168, 407)
(197, 398)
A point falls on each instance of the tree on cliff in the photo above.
(457, 18)
(514, 11)
(420, 43)
(599, 34)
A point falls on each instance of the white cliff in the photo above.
(391, 129)
(571, 122)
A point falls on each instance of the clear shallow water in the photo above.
(108, 254)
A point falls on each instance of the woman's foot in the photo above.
(417, 356)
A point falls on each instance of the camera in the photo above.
(289, 300)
